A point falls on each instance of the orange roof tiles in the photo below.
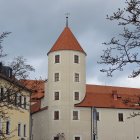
(105, 97)
(66, 41)
(37, 87)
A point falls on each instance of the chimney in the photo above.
(114, 94)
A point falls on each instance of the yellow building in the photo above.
(14, 107)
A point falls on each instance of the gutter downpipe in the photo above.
(94, 124)
(91, 123)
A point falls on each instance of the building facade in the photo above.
(70, 109)
(14, 107)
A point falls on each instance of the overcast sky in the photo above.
(36, 25)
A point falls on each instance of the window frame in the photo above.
(25, 102)
(19, 129)
(56, 116)
(8, 127)
(57, 58)
(24, 130)
(20, 101)
(56, 98)
(98, 116)
(76, 98)
(76, 59)
(56, 77)
(55, 138)
(77, 136)
(75, 118)
(1, 127)
(120, 117)
(76, 77)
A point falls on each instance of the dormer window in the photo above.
(76, 59)
(57, 58)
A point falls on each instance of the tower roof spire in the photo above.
(66, 41)
(67, 19)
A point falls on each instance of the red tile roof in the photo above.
(38, 90)
(37, 87)
(110, 97)
(96, 96)
(66, 41)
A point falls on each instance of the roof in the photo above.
(37, 87)
(98, 96)
(110, 97)
(38, 90)
(66, 41)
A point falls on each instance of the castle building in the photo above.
(69, 109)
(14, 107)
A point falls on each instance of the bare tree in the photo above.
(125, 49)
(2, 36)
(12, 89)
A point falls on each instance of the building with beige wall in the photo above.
(14, 108)
(69, 109)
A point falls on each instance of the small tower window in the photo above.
(76, 95)
(56, 115)
(57, 58)
(75, 115)
(56, 138)
(56, 95)
(76, 59)
(56, 77)
(76, 78)
(97, 116)
(120, 117)
(77, 138)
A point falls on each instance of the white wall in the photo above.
(66, 86)
(109, 128)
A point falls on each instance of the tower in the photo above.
(65, 87)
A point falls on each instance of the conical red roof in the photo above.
(66, 41)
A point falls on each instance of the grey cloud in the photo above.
(36, 24)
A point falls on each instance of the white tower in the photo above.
(66, 86)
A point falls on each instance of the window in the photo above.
(76, 59)
(56, 138)
(56, 115)
(76, 95)
(56, 95)
(120, 117)
(24, 102)
(19, 129)
(75, 115)
(76, 77)
(56, 77)
(0, 127)
(97, 116)
(1, 94)
(57, 58)
(24, 130)
(8, 96)
(7, 127)
(16, 99)
(20, 101)
(77, 138)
